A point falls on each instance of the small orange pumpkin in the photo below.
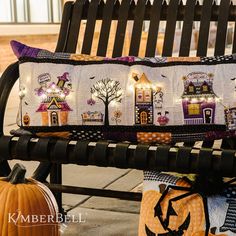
(28, 208)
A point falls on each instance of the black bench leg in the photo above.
(4, 169)
(56, 178)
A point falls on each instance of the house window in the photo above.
(30, 11)
(194, 109)
(148, 95)
(204, 88)
(139, 95)
(191, 89)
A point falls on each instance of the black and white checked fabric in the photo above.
(86, 135)
(57, 55)
(152, 59)
(217, 58)
(160, 177)
(188, 137)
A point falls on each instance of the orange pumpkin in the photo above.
(27, 208)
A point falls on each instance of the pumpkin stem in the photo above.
(17, 175)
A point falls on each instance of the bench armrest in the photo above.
(7, 81)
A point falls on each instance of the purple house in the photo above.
(230, 118)
(198, 99)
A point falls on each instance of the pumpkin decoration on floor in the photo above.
(28, 208)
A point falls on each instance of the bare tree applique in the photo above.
(107, 90)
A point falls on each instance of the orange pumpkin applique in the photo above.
(190, 207)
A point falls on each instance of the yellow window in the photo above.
(191, 89)
(205, 88)
(147, 95)
(194, 109)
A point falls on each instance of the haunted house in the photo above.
(198, 99)
(54, 109)
(230, 118)
(143, 101)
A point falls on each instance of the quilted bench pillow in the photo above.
(134, 99)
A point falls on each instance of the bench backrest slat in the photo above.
(74, 26)
(90, 26)
(121, 28)
(155, 15)
(187, 28)
(222, 27)
(105, 28)
(64, 27)
(204, 28)
(170, 28)
(137, 28)
(119, 14)
(234, 38)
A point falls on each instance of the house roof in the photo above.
(43, 107)
(62, 106)
(64, 77)
(144, 80)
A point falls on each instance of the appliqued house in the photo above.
(54, 109)
(143, 101)
(230, 118)
(198, 99)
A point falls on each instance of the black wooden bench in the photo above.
(52, 153)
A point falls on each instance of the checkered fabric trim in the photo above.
(160, 177)
(86, 135)
(188, 137)
(152, 59)
(217, 58)
(57, 55)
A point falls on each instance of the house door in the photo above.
(54, 119)
(143, 118)
(207, 113)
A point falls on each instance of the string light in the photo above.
(194, 100)
(178, 100)
(43, 96)
(22, 92)
(113, 103)
(62, 95)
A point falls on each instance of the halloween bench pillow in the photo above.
(130, 98)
